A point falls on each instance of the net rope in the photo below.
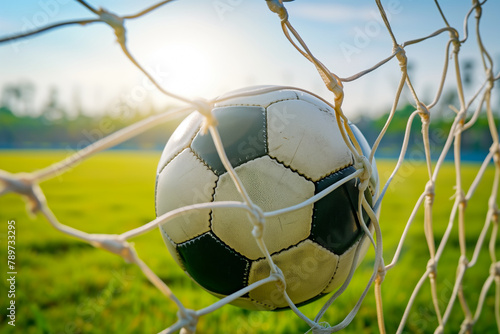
(27, 184)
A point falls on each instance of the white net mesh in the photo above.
(437, 238)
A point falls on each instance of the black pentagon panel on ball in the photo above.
(243, 133)
(214, 265)
(335, 223)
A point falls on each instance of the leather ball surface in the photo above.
(285, 146)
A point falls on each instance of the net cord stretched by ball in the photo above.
(27, 184)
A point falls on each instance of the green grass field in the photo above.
(66, 286)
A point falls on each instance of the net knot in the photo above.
(112, 243)
(495, 270)
(461, 116)
(432, 267)
(463, 262)
(363, 163)
(381, 272)
(456, 42)
(495, 215)
(25, 185)
(429, 188)
(401, 56)
(467, 326)
(429, 192)
(190, 320)
(205, 108)
(335, 86)
(321, 328)
(258, 228)
(494, 208)
(280, 278)
(439, 330)
(276, 6)
(115, 22)
(479, 9)
(424, 113)
(462, 200)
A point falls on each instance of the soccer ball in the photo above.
(285, 145)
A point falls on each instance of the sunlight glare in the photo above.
(185, 69)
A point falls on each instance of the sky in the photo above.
(205, 48)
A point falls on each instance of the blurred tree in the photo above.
(53, 111)
(77, 109)
(468, 66)
(19, 98)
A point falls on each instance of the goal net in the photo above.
(459, 287)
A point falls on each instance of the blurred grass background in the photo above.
(66, 286)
